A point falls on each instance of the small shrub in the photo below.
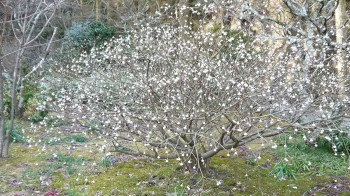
(16, 136)
(86, 35)
(38, 116)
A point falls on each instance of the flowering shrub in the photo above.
(169, 92)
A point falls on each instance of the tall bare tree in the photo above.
(29, 21)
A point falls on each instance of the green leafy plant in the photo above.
(340, 140)
(55, 122)
(71, 170)
(69, 160)
(57, 139)
(300, 165)
(106, 162)
(16, 135)
(178, 191)
(38, 116)
(304, 159)
(77, 138)
(250, 161)
(88, 34)
(283, 170)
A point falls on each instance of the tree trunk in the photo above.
(16, 69)
(2, 115)
(20, 105)
(108, 15)
(81, 10)
(97, 10)
(309, 50)
(197, 164)
(340, 24)
(13, 102)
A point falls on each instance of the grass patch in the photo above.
(57, 139)
(297, 158)
(106, 162)
(283, 170)
(77, 138)
(19, 170)
(55, 122)
(69, 160)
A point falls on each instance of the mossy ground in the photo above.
(81, 167)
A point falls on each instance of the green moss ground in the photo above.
(81, 171)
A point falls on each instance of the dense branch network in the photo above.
(169, 92)
(170, 89)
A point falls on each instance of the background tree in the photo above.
(30, 21)
(4, 14)
(341, 26)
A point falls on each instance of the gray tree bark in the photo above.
(2, 115)
(97, 10)
(341, 35)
